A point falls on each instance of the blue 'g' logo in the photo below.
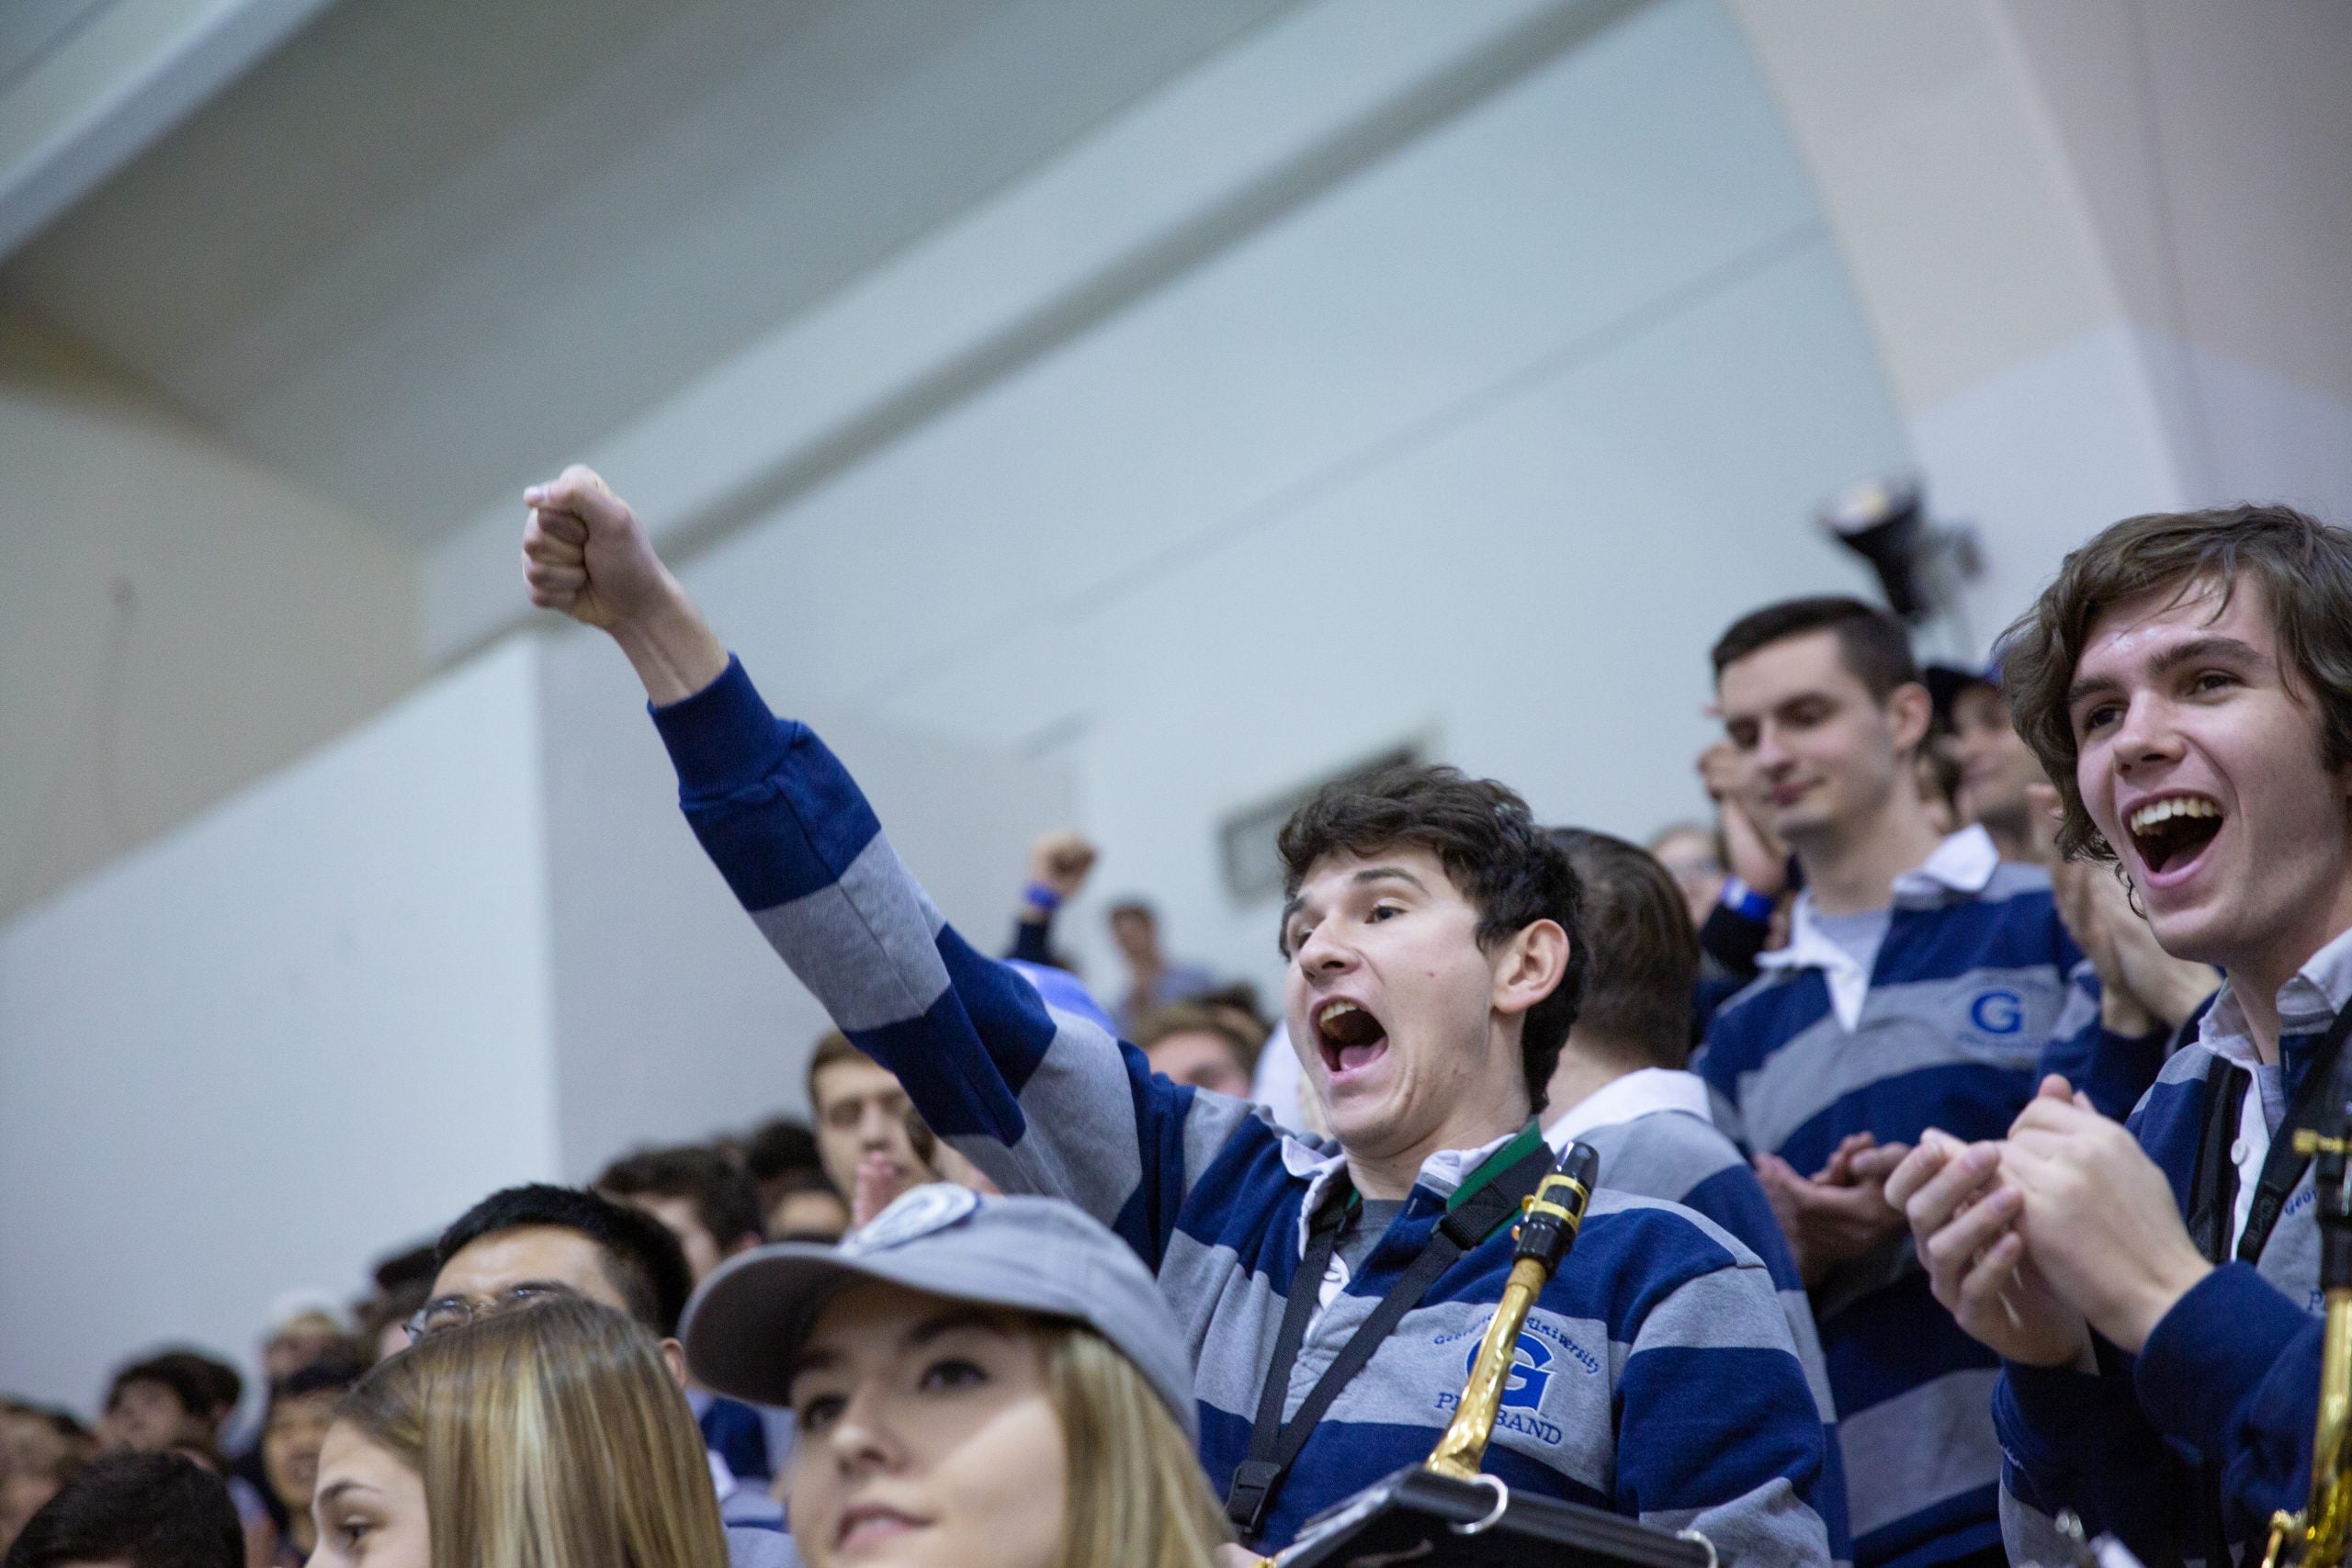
(1530, 1373)
(1998, 1012)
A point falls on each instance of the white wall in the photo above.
(176, 620)
(1486, 442)
(302, 1030)
(672, 1018)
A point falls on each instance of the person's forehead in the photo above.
(2128, 632)
(1334, 874)
(1193, 1043)
(491, 1264)
(1809, 661)
(678, 1213)
(852, 1077)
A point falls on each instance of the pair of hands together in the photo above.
(2062, 1227)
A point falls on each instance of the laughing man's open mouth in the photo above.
(2173, 831)
(1348, 1036)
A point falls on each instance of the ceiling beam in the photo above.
(115, 78)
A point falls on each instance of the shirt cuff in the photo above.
(721, 739)
(2207, 1354)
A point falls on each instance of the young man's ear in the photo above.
(1528, 966)
(1911, 711)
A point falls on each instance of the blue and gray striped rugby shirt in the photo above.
(1656, 1375)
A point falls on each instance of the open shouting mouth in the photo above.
(2173, 833)
(1350, 1038)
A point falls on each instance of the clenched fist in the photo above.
(584, 553)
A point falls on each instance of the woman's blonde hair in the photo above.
(548, 1436)
(1137, 1494)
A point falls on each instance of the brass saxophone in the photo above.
(1552, 1218)
(2317, 1537)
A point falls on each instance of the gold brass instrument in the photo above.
(1546, 1230)
(2317, 1537)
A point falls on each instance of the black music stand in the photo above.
(1434, 1521)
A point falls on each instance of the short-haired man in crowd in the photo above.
(2186, 680)
(798, 1202)
(526, 1241)
(134, 1510)
(1623, 1087)
(708, 1202)
(1190, 1043)
(861, 1114)
(175, 1400)
(1919, 988)
(1996, 768)
(1429, 935)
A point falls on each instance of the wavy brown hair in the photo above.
(2304, 568)
(548, 1436)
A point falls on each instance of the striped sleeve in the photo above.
(1719, 1433)
(1044, 1101)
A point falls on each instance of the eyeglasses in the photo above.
(456, 1312)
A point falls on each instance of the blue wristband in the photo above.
(1042, 899)
(1745, 901)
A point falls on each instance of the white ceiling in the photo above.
(430, 247)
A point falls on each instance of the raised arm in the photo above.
(1042, 1100)
(584, 553)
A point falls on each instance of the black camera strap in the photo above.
(1475, 1216)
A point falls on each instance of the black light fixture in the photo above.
(1882, 521)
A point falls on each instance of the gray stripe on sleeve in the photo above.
(864, 945)
(1926, 1444)
(1770, 1524)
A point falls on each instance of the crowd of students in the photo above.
(1947, 1186)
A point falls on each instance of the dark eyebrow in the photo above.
(1368, 874)
(2170, 660)
(921, 1334)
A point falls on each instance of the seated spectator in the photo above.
(1995, 766)
(977, 1379)
(40, 1451)
(134, 1510)
(796, 1199)
(175, 1400)
(707, 1200)
(1189, 1042)
(305, 1327)
(861, 1113)
(709, 1203)
(547, 1435)
(526, 1242)
(402, 1280)
(1695, 861)
(302, 1407)
(1622, 1086)
(1153, 979)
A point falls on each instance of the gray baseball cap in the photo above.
(744, 1329)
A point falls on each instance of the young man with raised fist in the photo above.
(1430, 934)
(2152, 1286)
(1921, 982)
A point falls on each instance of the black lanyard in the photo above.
(1275, 1444)
(2318, 1103)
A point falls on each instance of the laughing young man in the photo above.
(2188, 682)
(1429, 941)
(1920, 985)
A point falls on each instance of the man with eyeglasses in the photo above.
(540, 1240)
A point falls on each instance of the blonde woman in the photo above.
(980, 1382)
(548, 1434)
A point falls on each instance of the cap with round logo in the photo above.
(745, 1327)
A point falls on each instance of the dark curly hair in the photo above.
(1487, 841)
